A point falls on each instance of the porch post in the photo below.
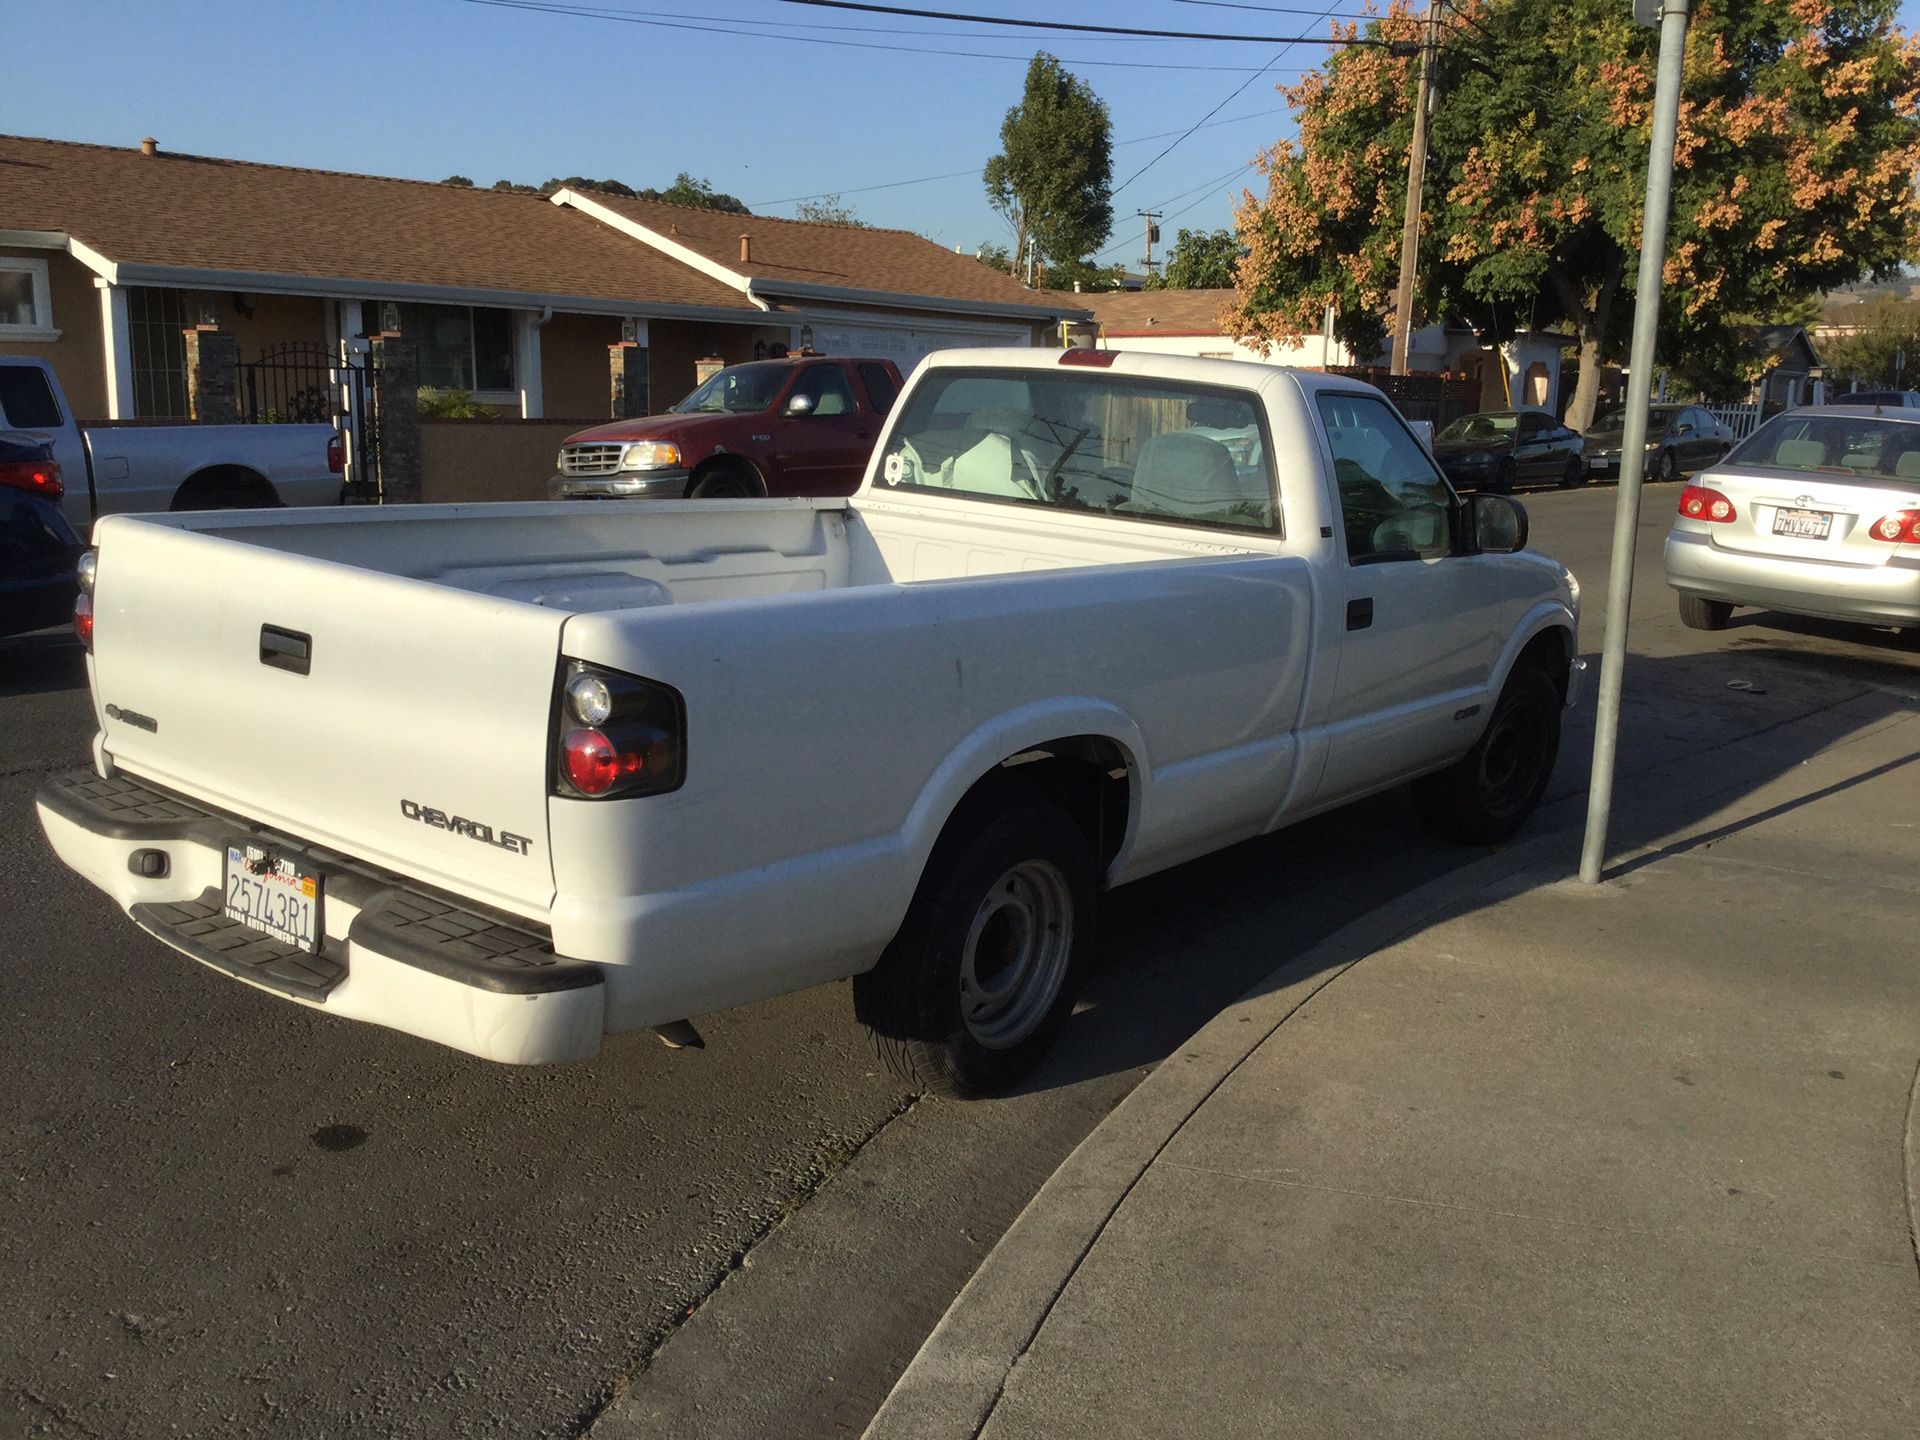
(396, 382)
(526, 361)
(213, 376)
(116, 344)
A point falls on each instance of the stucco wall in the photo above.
(674, 345)
(489, 459)
(77, 357)
(573, 365)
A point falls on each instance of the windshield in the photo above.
(1480, 427)
(1841, 445)
(737, 390)
(1127, 447)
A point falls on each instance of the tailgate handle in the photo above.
(285, 649)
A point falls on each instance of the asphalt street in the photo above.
(228, 1214)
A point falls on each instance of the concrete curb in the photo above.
(955, 1381)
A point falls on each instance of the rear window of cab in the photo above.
(1837, 446)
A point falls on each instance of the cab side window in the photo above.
(880, 386)
(1394, 502)
(826, 386)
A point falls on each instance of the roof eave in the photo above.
(266, 283)
(763, 286)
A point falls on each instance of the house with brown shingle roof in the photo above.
(108, 254)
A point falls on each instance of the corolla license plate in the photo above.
(1803, 524)
(274, 895)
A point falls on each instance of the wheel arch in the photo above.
(1546, 637)
(722, 461)
(218, 478)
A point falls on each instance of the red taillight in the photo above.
(617, 735)
(592, 763)
(1101, 358)
(37, 477)
(336, 454)
(1699, 503)
(1902, 527)
(83, 620)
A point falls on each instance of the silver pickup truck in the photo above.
(117, 468)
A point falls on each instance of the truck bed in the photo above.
(583, 558)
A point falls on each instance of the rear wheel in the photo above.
(225, 487)
(1669, 466)
(1574, 474)
(1485, 796)
(1503, 477)
(985, 968)
(1698, 613)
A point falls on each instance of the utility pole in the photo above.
(1671, 16)
(1416, 187)
(1153, 233)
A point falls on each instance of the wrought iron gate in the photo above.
(302, 382)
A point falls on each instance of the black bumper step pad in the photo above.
(490, 951)
(200, 928)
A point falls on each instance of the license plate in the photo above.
(274, 895)
(1803, 524)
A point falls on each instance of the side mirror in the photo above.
(800, 405)
(1498, 523)
(1683, 428)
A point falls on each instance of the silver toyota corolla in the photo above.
(1817, 513)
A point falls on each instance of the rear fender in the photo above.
(1008, 735)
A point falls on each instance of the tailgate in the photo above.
(420, 705)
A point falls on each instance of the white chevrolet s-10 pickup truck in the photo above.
(514, 777)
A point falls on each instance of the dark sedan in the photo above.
(1497, 450)
(37, 546)
(1680, 440)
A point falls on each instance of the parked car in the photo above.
(38, 548)
(111, 469)
(1680, 440)
(590, 778)
(1887, 399)
(1496, 450)
(1818, 513)
(798, 426)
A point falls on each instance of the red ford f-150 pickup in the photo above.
(799, 426)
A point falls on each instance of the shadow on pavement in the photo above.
(1180, 946)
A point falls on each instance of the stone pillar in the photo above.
(396, 405)
(630, 380)
(213, 376)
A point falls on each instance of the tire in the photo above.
(1488, 794)
(1575, 473)
(726, 483)
(224, 488)
(1504, 476)
(996, 943)
(1699, 613)
(1669, 466)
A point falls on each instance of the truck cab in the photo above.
(804, 425)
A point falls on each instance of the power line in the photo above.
(1210, 186)
(579, 12)
(975, 170)
(1081, 28)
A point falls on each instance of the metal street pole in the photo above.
(1416, 190)
(1633, 443)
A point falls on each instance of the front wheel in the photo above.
(1486, 795)
(987, 964)
(724, 484)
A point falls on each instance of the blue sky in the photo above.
(428, 88)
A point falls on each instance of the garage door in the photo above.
(903, 345)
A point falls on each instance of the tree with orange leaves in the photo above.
(1795, 168)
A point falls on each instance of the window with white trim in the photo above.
(26, 300)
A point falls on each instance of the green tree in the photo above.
(1200, 260)
(687, 190)
(461, 181)
(1088, 276)
(828, 210)
(580, 182)
(1875, 344)
(1053, 177)
(997, 257)
(1799, 139)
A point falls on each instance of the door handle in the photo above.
(1360, 613)
(286, 649)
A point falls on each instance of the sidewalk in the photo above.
(1512, 1157)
